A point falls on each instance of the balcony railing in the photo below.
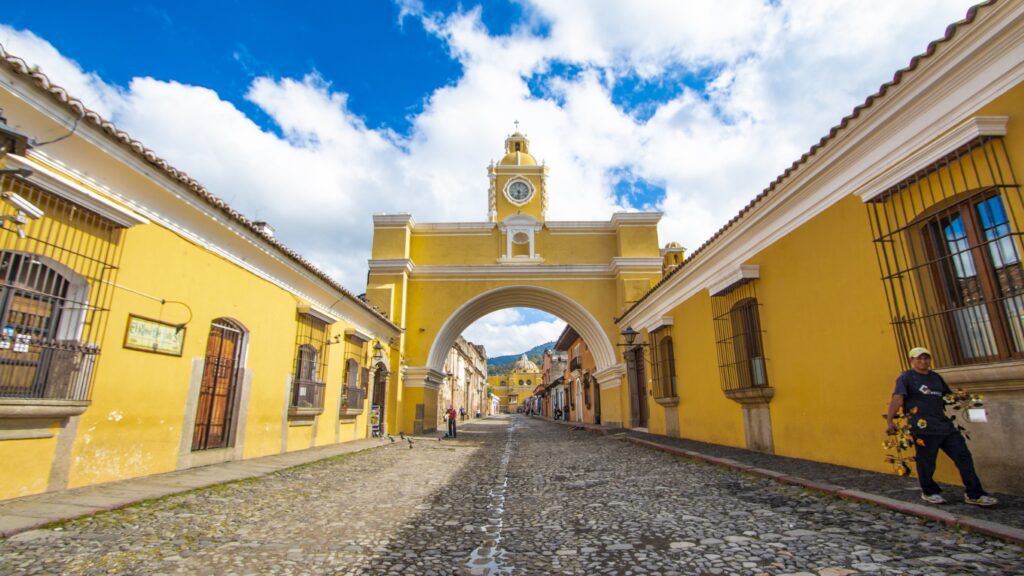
(307, 394)
(575, 364)
(44, 368)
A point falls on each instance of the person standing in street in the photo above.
(452, 416)
(920, 392)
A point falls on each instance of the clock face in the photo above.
(519, 191)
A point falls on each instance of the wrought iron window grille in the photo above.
(948, 243)
(739, 339)
(56, 279)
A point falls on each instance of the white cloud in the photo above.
(781, 75)
(508, 331)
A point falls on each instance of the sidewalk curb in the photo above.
(71, 509)
(995, 529)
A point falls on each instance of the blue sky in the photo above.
(316, 115)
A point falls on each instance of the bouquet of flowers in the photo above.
(900, 443)
(959, 403)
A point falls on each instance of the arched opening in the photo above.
(544, 299)
(43, 309)
(217, 407)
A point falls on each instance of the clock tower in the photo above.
(518, 184)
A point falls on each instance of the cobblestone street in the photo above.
(510, 496)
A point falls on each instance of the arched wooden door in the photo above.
(218, 394)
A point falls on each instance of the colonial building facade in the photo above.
(145, 325)
(902, 227)
(465, 388)
(514, 388)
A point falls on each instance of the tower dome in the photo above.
(517, 151)
(524, 364)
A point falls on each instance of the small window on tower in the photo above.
(521, 238)
(518, 146)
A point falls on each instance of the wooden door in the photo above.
(218, 391)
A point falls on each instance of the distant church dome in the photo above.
(524, 365)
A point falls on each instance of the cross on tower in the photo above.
(517, 125)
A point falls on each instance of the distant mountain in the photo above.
(502, 364)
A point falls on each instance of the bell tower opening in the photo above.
(518, 183)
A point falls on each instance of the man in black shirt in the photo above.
(920, 392)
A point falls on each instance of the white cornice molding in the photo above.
(635, 264)
(659, 323)
(620, 219)
(970, 70)
(401, 220)
(525, 269)
(358, 334)
(448, 227)
(422, 377)
(395, 265)
(579, 226)
(319, 314)
(892, 174)
(46, 173)
(732, 278)
(610, 377)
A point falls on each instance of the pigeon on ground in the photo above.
(409, 440)
(402, 435)
(391, 438)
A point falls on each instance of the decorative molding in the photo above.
(358, 335)
(41, 408)
(620, 219)
(747, 396)
(995, 377)
(635, 264)
(422, 377)
(519, 260)
(400, 220)
(524, 201)
(659, 323)
(668, 401)
(610, 377)
(395, 265)
(729, 280)
(468, 227)
(46, 174)
(317, 313)
(972, 129)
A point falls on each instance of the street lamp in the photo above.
(378, 353)
(630, 335)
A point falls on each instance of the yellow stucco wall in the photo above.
(827, 337)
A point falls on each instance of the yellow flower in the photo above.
(922, 423)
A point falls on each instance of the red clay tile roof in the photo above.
(78, 107)
(951, 30)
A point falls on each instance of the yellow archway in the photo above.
(435, 279)
(524, 296)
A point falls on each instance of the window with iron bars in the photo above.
(311, 349)
(352, 394)
(56, 279)
(739, 340)
(663, 362)
(949, 246)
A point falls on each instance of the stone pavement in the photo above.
(510, 496)
(23, 514)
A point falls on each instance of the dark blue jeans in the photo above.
(451, 427)
(955, 447)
